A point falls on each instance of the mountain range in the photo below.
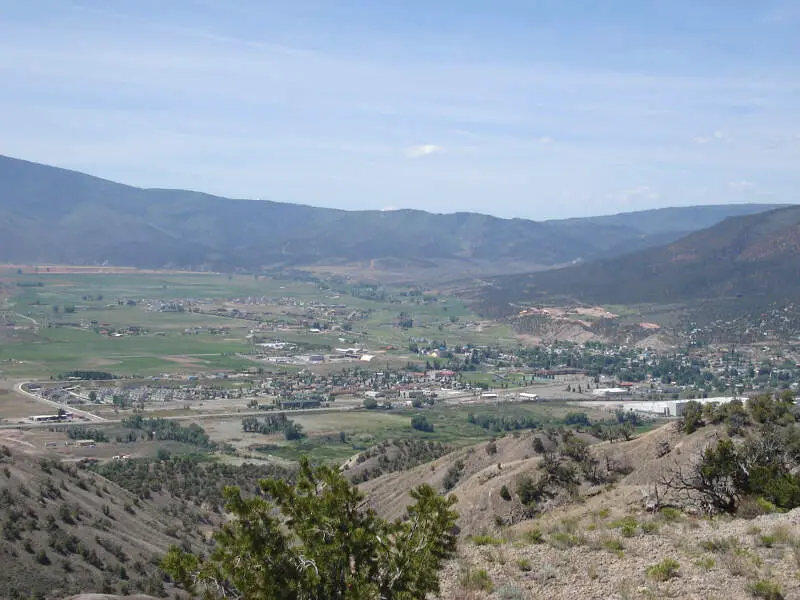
(53, 215)
(753, 259)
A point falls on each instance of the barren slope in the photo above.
(67, 530)
(601, 544)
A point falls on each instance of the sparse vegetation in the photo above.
(453, 475)
(397, 455)
(476, 579)
(511, 592)
(563, 540)
(720, 545)
(485, 540)
(768, 541)
(670, 515)
(706, 563)
(665, 570)
(615, 546)
(627, 526)
(768, 590)
(534, 536)
(505, 494)
(190, 478)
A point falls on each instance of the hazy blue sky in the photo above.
(533, 108)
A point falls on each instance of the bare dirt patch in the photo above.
(17, 406)
(101, 362)
(655, 342)
(568, 312)
(184, 360)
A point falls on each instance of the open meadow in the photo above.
(335, 436)
(149, 323)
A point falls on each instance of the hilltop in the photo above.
(752, 258)
(52, 215)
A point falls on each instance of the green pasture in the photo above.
(69, 343)
(495, 380)
(162, 286)
(368, 428)
(55, 350)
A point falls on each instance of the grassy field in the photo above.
(46, 322)
(363, 429)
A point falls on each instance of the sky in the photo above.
(536, 109)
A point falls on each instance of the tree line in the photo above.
(165, 429)
(277, 423)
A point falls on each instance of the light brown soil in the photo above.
(594, 569)
(17, 406)
(182, 359)
(587, 566)
(56, 500)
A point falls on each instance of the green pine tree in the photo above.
(316, 540)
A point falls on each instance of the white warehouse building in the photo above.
(666, 408)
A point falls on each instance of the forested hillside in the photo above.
(754, 259)
(51, 215)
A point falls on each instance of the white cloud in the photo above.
(722, 136)
(633, 196)
(423, 150)
(545, 140)
(717, 136)
(751, 190)
(742, 186)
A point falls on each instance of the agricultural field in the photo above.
(148, 323)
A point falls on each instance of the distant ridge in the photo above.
(53, 215)
(752, 258)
